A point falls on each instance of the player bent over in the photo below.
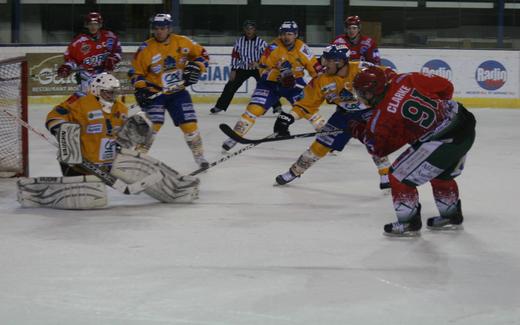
(282, 69)
(333, 86)
(87, 129)
(168, 63)
(418, 110)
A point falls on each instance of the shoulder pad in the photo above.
(306, 51)
(61, 110)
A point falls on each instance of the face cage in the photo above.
(109, 95)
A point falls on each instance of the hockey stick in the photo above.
(106, 177)
(235, 136)
(174, 88)
(227, 157)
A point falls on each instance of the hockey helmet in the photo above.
(105, 87)
(336, 52)
(93, 17)
(288, 26)
(352, 20)
(249, 24)
(162, 20)
(370, 85)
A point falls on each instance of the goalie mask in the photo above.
(105, 87)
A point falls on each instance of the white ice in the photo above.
(247, 252)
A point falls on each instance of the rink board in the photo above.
(482, 78)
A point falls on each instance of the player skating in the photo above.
(164, 66)
(283, 64)
(334, 87)
(417, 109)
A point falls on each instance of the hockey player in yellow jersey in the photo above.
(335, 87)
(168, 63)
(282, 68)
(98, 116)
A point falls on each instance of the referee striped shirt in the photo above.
(247, 52)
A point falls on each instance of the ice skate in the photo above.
(285, 178)
(216, 110)
(405, 229)
(228, 145)
(447, 223)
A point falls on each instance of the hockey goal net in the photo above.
(13, 137)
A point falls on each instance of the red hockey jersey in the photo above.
(415, 104)
(365, 49)
(90, 52)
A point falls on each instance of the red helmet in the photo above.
(352, 20)
(94, 17)
(370, 80)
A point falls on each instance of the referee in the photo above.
(244, 64)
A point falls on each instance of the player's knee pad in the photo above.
(255, 110)
(190, 127)
(73, 193)
(317, 121)
(132, 167)
(318, 149)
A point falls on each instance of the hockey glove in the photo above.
(110, 62)
(357, 129)
(191, 74)
(64, 70)
(142, 96)
(281, 126)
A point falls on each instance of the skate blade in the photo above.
(408, 234)
(386, 191)
(448, 227)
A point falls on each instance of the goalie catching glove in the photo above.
(191, 74)
(136, 133)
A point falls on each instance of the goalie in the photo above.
(94, 130)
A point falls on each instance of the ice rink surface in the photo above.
(248, 252)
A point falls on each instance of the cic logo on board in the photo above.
(438, 68)
(491, 75)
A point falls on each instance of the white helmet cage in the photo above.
(108, 84)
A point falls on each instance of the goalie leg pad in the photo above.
(73, 193)
(131, 167)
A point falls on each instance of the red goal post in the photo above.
(14, 144)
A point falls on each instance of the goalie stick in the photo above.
(235, 136)
(106, 177)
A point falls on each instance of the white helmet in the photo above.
(105, 87)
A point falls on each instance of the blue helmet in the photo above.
(162, 20)
(336, 52)
(288, 26)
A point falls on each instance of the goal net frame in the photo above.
(14, 137)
